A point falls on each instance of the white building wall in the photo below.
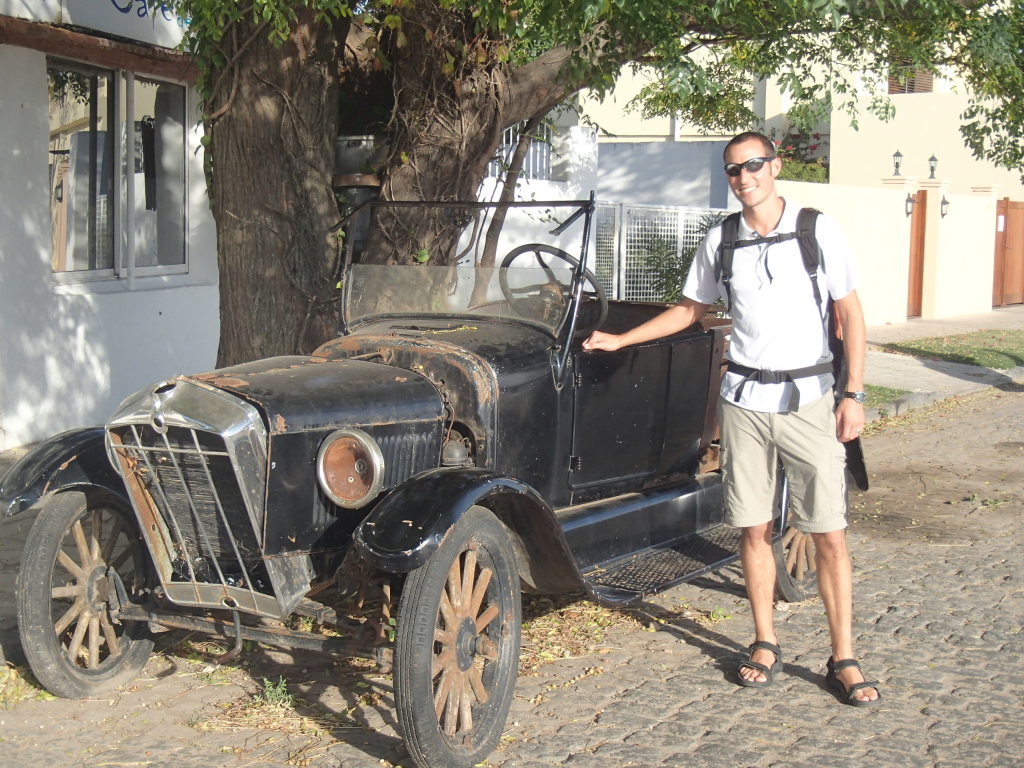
(959, 247)
(614, 118)
(878, 230)
(576, 147)
(688, 174)
(960, 254)
(70, 352)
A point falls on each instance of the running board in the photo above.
(654, 570)
(606, 531)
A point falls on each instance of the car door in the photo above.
(638, 413)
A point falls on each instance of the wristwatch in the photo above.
(857, 397)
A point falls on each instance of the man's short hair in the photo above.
(767, 144)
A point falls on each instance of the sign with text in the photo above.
(144, 21)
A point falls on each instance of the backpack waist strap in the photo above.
(777, 377)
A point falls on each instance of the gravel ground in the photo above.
(938, 577)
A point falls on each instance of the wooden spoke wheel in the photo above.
(799, 549)
(795, 577)
(457, 645)
(83, 548)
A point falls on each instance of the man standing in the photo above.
(779, 327)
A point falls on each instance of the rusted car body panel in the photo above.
(72, 459)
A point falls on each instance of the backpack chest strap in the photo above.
(768, 239)
(804, 234)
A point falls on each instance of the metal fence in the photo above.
(627, 236)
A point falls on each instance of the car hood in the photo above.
(297, 393)
(482, 367)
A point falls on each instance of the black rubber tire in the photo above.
(456, 659)
(73, 646)
(788, 587)
(795, 576)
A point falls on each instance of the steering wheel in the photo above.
(553, 293)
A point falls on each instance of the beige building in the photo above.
(937, 232)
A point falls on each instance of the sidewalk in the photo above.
(929, 381)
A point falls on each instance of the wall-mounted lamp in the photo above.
(944, 207)
(933, 163)
(908, 204)
(897, 161)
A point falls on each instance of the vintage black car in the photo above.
(455, 445)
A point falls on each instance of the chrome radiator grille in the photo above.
(194, 463)
(188, 476)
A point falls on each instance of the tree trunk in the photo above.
(271, 188)
(508, 189)
(489, 254)
(450, 111)
(272, 162)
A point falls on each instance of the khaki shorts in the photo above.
(805, 441)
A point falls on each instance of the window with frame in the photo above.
(117, 161)
(904, 78)
(537, 164)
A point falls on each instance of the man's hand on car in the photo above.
(600, 340)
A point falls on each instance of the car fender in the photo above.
(73, 459)
(409, 524)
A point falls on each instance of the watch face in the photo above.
(858, 397)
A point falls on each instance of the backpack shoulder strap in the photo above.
(806, 220)
(811, 253)
(726, 249)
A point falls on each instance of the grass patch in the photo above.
(275, 694)
(998, 349)
(917, 415)
(879, 396)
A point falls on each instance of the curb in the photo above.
(915, 400)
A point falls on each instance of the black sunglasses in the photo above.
(753, 165)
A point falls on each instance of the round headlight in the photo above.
(350, 468)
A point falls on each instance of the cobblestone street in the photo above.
(939, 610)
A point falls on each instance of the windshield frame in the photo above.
(454, 293)
(566, 326)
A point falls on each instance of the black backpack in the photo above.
(806, 220)
(811, 253)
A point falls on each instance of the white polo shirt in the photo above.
(776, 323)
